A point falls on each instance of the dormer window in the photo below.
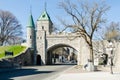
(43, 15)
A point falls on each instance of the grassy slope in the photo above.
(16, 49)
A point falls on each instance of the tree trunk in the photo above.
(91, 55)
(91, 59)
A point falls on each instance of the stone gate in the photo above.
(43, 40)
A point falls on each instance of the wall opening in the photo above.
(61, 54)
(38, 60)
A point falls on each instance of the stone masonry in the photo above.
(42, 39)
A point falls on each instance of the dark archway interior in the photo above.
(38, 60)
(61, 54)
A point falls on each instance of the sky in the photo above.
(21, 9)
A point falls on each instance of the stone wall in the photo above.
(26, 58)
(102, 47)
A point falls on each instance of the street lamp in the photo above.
(110, 47)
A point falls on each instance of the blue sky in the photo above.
(21, 9)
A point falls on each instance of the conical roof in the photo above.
(30, 23)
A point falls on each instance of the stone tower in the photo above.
(44, 23)
(31, 38)
(31, 32)
(44, 28)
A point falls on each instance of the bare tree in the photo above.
(54, 28)
(87, 18)
(10, 29)
(112, 31)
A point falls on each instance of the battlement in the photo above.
(62, 34)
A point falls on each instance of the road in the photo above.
(35, 73)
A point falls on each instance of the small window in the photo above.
(30, 37)
(42, 27)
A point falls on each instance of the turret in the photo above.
(31, 32)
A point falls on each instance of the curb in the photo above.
(68, 69)
(57, 75)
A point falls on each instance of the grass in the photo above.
(16, 49)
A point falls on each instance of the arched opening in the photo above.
(103, 60)
(61, 54)
(38, 60)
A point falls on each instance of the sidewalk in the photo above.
(77, 73)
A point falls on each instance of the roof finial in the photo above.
(30, 7)
(45, 5)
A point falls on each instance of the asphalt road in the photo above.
(35, 73)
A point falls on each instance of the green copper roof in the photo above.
(44, 16)
(31, 22)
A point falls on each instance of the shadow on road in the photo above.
(20, 72)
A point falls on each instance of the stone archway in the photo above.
(51, 54)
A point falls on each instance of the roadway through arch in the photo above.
(61, 54)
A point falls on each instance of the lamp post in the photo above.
(111, 55)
